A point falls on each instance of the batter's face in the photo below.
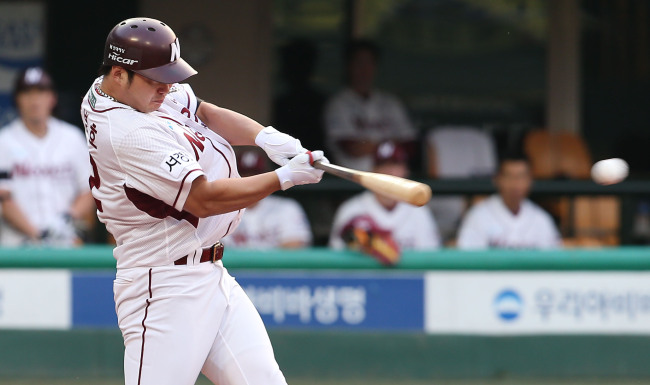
(146, 95)
(35, 105)
(514, 181)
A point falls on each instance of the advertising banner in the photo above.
(337, 301)
(512, 303)
(35, 299)
(295, 300)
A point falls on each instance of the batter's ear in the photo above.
(119, 75)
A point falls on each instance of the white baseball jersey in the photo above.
(270, 223)
(413, 228)
(490, 224)
(350, 116)
(143, 174)
(47, 175)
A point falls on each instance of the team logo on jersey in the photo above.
(175, 162)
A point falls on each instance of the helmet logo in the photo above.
(119, 59)
(176, 50)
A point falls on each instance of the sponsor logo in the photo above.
(117, 49)
(508, 305)
(323, 304)
(175, 162)
(92, 135)
(120, 59)
(553, 303)
(176, 50)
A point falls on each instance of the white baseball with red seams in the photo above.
(143, 168)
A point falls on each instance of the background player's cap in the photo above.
(33, 78)
(147, 47)
(251, 162)
(390, 152)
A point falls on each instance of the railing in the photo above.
(629, 191)
(100, 257)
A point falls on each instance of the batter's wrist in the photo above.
(284, 176)
(260, 138)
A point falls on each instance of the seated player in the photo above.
(273, 222)
(508, 219)
(382, 226)
(44, 167)
(361, 116)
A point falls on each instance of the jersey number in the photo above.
(95, 182)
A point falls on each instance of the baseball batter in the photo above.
(509, 219)
(166, 185)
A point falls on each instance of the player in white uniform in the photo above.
(166, 185)
(273, 222)
(360, 117)
(45, 161)
(411, 227)
(508, 219)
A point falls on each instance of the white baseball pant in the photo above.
(178, 321)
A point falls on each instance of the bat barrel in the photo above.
(401, 189)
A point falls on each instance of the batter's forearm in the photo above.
(227, 195)
(17, 219)
(237, 129)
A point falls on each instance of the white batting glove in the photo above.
(279, 147)
(300, 171)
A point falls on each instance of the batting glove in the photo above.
(299, 170)
(279, 147)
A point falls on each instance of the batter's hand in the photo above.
(299, 170)
(279, 147)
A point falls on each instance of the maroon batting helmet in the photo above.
(149, 48)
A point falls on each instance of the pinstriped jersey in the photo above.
(143, 165)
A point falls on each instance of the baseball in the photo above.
(609, 171)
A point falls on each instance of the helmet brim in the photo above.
(174, 72)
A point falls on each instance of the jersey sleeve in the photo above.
(294, 225)
(402, 127)
(551, 238)
(157, 165)
(5, 169)
(339, 121)
(342, 215)
(428, 237)
(472, 234)
(184, 95)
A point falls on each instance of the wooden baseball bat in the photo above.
(401, 189)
